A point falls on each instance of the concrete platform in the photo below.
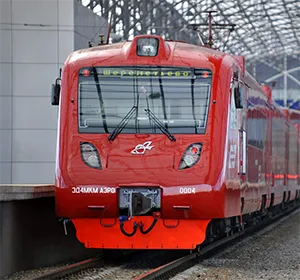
(30, 234)
(20, 192)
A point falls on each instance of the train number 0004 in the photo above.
(187, 190)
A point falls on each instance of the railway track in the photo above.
(70, 269)
(124, 267)
(143, 265)
(170, 269)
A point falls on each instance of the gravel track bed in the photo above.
(133, 266)
(273, 254)
(32, 273)
(29, 274)
(116, 266)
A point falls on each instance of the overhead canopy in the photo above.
(263, 27)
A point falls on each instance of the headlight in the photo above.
(147, 46)
(89, 155)
(191, 156)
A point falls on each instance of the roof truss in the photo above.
(263, 27)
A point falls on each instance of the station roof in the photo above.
(263, 27)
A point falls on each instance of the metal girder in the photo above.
(264, 27)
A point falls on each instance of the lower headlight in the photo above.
(188, 160)
(191, 156)
(89, 155)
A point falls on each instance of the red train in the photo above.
(162, 144)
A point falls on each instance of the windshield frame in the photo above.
(200, 130)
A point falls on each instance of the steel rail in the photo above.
(192, 259)
(69, 269)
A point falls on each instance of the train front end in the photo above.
(134, 163)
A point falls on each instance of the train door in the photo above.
(236, 124)
(237, 146)
(241, 96)
(243, 136)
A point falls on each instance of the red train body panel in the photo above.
(239, 151)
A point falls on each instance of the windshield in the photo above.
(177, 97)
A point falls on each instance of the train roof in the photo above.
(168, 53)
(175, 46)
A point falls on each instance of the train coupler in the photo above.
(139, 201)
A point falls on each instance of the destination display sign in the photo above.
(129, 72)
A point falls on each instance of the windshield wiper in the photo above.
(160, 125)
(122, 124)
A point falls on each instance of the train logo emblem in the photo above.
(140, 149)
